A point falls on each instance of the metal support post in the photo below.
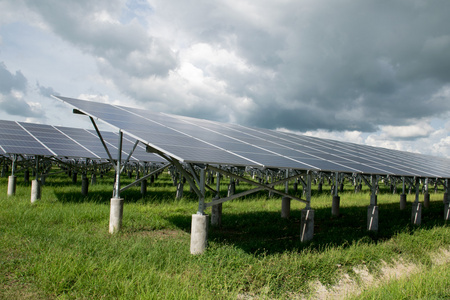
(12, 178)
(416, 214)
(372, 210)
(426, 195)
(216, 209)
(116, 209)
(307, 218)
(35, 184)
(286, 201)
(336, 199)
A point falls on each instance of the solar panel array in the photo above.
(208, 142)
(65, 142)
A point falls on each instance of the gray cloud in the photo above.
(9, 81)
(46, 91)
(333, 65)
(12, 89)
(93, 27)
(19, 107)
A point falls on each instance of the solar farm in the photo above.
(199, 157)
(194, 149)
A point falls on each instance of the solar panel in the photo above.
(15, 140)
(87, 139)
(59, 143)
(65, 142)
(203, 141)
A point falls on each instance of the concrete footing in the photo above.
(307, 225)
(93, 179)
(84, 186)
(179, 193)
(199, 233)
(231, 189)
(144, 187)
(426, 200)
(35, 190)
(402, 201)
(26, 176)
(216, 215)
(447, 211)
(335, 206)
(11, 185)
(416, 214)
(115, 215)
(285, 207)
(372, 218)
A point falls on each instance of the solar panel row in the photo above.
(57, 141)
(208, 142)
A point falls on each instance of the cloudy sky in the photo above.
(371, 72)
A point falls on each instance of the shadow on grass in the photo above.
(267, 232)
(103, 195)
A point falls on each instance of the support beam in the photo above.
(262, 186)
(101, 140)
(144, 178)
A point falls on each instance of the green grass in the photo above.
(60, 247)
(427, 284)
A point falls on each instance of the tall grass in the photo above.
(61, 248)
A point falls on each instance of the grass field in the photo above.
(60, 248)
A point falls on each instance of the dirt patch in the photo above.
(353, 286)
